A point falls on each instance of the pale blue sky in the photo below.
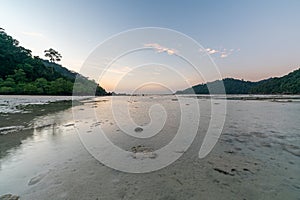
(263, 35)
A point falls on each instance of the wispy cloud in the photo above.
(221, 52)
(223, 55)
(33, 34)
(160, 49)
(122, 70)
(211, 51)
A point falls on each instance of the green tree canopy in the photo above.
(53, 55)
(20, 73)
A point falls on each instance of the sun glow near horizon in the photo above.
(251, 42)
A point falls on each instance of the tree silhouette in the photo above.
(53, 55)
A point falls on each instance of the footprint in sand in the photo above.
(37, 178)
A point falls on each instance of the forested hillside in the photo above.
(21, 73)
(289, 84)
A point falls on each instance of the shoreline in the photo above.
(23, 120)
(23, 113)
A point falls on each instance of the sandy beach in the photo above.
(250, 161)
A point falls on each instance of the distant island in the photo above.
(24, 74)
(288, 84)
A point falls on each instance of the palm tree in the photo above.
(53, 55)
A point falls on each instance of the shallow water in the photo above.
(14, 103)
(256, 157)
(17, 112)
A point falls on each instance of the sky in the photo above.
(248, 39)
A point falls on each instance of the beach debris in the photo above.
(9, 197)
(144, 155)
(10, 129)
(246, 170)
(229, 151)
(232, 164)
(43, 126)
(67, 125)
(224, 172)
(281, 101)
(178, 181)
(139, 148)
(141, 152)
(102, 100)
(138, 129)
(95, 101)
(295, 150)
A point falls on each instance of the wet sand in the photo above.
(257, 156)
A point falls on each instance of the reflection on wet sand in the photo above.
(257, 156)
